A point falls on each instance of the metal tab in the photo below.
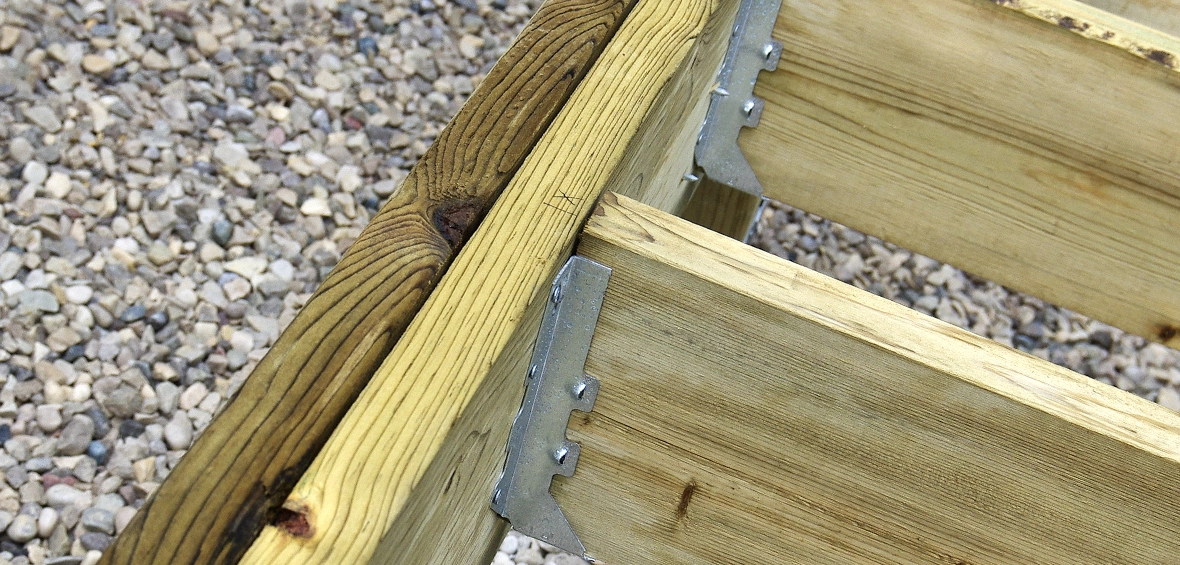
(733, 104)
(558, 385)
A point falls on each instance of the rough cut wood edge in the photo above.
(722, 209)
(1092, 22)
(1163, 15)
(753, 411)
(995, 142)
(232, 481)
(434, 418)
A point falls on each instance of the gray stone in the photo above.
(98, 520)
(41, 300)
(44, 117)
(76, 436)
(22, 529)
(20, 150)
(123, 402)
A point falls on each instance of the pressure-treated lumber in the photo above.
(722, 209)
(232, 481)
(434, 419)
(1163, 15)
(753, 411)
(1015, 148)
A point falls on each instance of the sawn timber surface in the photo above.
(754, 411)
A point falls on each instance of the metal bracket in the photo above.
(557, 385)
(733, 104)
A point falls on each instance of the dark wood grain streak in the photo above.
(229, 485)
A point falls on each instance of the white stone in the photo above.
(248, 267)
(349, 177)
(192, 396)
(34, 172)
(57, 185)
(79, 294)
(316, 207)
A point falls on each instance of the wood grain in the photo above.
(423, 444)
(722, 209)
(753, 411)
(1008, 146)
(232, 481)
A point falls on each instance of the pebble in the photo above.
(98, 520)
(44, 117)
(97, 64)
(178, 434)
(79, 294)
(22, 529)
(47, 521)
(34, 172)
(75, 438)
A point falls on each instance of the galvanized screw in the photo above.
(556, 294)
(767, 50)
(691, 177)
(532, 371)
(496, 496)
(561, 454)
(748, 107)
(580, 390)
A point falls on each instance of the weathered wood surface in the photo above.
(1008, 146)
(232, 481)
(407, 475)
(753, 411)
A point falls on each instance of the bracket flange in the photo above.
(733, 104)
(558, 384)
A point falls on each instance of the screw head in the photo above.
(580, 390)
(556, 296)
(496, 496)
(532, 371)
(560, 455)
(748, 107)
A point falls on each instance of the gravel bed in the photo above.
(176, 178)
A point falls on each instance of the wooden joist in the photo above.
(407, 475)
(753, 411)
(1032, 143)
(232, 481)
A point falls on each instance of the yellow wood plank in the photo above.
(753, 411)
(441, 405)
(1006, 145)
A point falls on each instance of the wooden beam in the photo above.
(407, 475)
(1017, 148)
(753, 411)
(1163, 15)
(722, 209)
(233, 479)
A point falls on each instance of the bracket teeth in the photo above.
(733, 104)
(557, 385)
